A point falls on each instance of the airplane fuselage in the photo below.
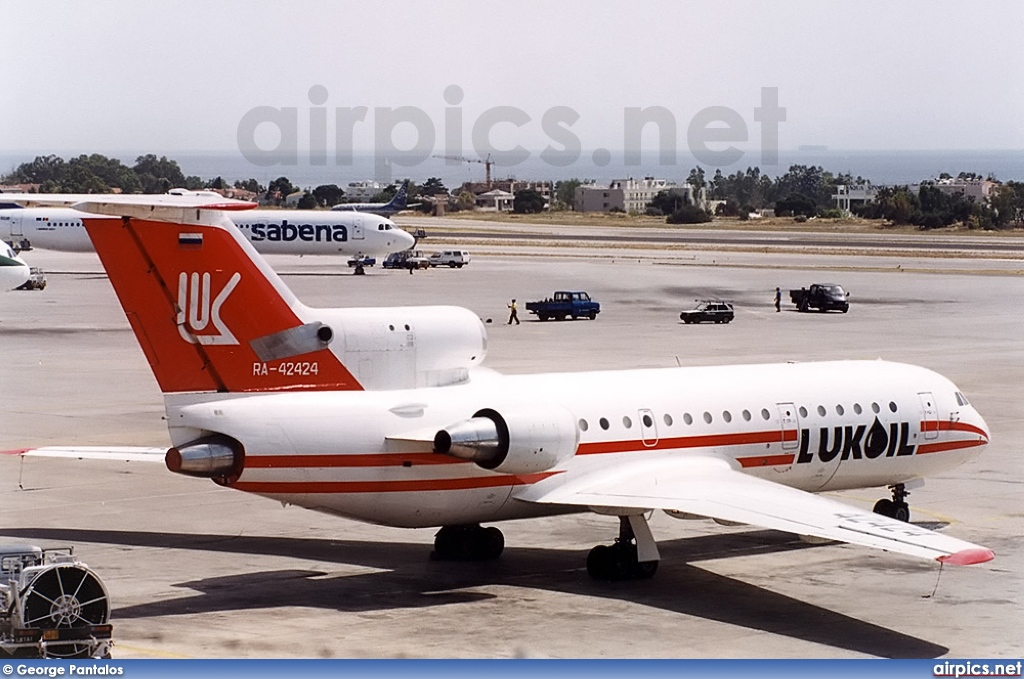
(13, 269)
(814, 427)
(294, 232)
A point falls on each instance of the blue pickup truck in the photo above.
(564, 304)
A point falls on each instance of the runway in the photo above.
(195, 570)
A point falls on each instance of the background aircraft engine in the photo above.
(521, 440)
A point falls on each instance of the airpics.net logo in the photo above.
(268, 136)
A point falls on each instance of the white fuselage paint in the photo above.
(13, 270)
(290, 232)
(366, 454)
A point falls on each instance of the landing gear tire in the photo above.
(896, 508)
(619, 561)
(468, 543)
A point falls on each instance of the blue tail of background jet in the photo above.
(396, 204)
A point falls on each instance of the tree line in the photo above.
(803, 190)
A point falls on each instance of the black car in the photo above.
(712, 311)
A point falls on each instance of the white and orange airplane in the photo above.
(385, 415)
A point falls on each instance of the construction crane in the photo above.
(487, 164)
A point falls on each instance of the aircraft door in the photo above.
(929, 415)
(790, 426)
(648, 427)
(11, 224)
(357, 228)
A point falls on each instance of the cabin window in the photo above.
(583, 425)
(648, 422)
(765, 415)
(874, 408)
(746, 415)
(604, 423)
(821, 411)
(727, 416)
(626, 422)
(857, 409)
(840, 410)
(803, 411)
(668, 420)
(687, 418)
(892, 406)
(707, 417)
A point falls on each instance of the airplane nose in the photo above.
(404, 239)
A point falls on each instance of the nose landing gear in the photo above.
(896, 508)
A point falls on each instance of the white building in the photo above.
(627, 195)
(847, 196)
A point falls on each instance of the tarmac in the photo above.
(198, 571)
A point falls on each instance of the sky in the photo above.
(114, 76)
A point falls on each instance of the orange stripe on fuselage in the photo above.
(362, 460)
(941, 446)
(417, 485)
(946, 425)
(765, 460)
(706, 441)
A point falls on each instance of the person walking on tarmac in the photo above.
(513, 314)
(778, 300)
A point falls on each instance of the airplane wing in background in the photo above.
(714, 488)
(205, 201)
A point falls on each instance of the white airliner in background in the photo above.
(385, 415)
(396, 204)
(292, 232)
(14, 272)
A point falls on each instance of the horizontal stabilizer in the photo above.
(113, 453)
(84, 201)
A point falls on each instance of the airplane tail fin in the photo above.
(207, 310)
(401, 197)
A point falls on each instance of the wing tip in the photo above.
(16, 451)
(968, 557)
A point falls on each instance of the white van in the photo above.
(452, 258)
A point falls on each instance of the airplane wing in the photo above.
(715, 488)
(112, 453)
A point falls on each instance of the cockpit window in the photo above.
(962, 400)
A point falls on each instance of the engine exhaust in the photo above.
(476, 439)
(209, 458)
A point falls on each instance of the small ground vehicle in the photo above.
(564, 304)
(363, 261)
(821, 296)
(51, 605)
(710, 311)
(36, 280)
(406, 259)
(451, 258)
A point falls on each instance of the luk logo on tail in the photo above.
(194, 293)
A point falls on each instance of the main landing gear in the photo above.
(634, 556)
(468, 543)
(896, 508)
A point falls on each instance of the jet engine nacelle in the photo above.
(521, 440)
(211, 457)
(407, 347)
